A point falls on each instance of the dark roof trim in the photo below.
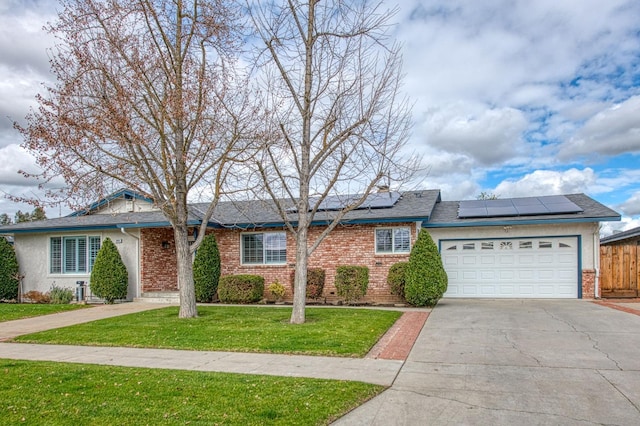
(520, 222)
(106, 200)
(320, 223)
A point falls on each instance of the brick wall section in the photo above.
(589, 284)
(158, 266)
(346, 245)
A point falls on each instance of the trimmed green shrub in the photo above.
(315, 282)
(425, 279)
(60, 295)
(109, 276)
(396, 278)
(206, 269)
(352, 282)
(277, 290)
(8, 271)
(241, 288)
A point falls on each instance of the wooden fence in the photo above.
(619, 273)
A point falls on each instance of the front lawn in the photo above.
(328, 331)
(14, 311)
(35, 393)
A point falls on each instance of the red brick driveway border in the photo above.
(399, 339)
(614, 304)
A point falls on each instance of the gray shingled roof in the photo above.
(625, 235)
(445, 214)
(412, 206)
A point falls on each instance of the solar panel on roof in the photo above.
(532, 210)
(380, 200)
(529, 206)
(377, 200)
(502, 211)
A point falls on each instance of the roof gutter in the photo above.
(520, 222)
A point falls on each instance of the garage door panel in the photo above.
(487, 275)
(469, 260)
(519, 267)
(506, 260)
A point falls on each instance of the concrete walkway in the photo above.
(370, 370)
(506, 362)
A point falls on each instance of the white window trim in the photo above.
(89, 261)
(264, 256)
(393, 250)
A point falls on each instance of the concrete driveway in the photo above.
(507, 362)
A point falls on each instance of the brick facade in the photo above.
(346, 245)
(589, 284)
(158, 265)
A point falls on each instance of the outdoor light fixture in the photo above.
(165, 244)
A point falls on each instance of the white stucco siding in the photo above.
(585, 231)
(32, 251)
(126, 206)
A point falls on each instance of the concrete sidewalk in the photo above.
(11, 329)
(376, 371)
(369, 370)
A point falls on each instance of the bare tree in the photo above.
(331, 80)
(147, 97)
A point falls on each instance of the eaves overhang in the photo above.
(320, 223)
(520, 222)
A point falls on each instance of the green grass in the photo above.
(48, 393)
(14, 311)
(328, 331)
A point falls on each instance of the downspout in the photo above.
(138, 283)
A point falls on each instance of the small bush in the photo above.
(315, 282)
(397, 278)
(109, 276)
(426, 279)
(206, 269)
(352, 282)
(34, 296)
(241, 289)
(8, 271)
(60, 295)
(277, 290)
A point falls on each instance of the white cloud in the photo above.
(547, 182)
(627, 223)
(631, 206)
(12, 159)
(612, 131)
(489, 136)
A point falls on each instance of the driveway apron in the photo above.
(505, 362)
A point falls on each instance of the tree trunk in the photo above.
(188, 308)
(300, 283)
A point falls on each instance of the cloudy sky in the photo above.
(515, 98)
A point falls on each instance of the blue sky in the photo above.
(515, 98)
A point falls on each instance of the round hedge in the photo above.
(109, 276)
(206, 269)
(426, 279)
(8, 271)
(396, 278)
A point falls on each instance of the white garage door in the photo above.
(518, 268)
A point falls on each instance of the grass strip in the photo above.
(328, 331)
(49, 393)
(16, 311)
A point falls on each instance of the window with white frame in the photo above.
(73, 255)
(264, 248)
(393, 240)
